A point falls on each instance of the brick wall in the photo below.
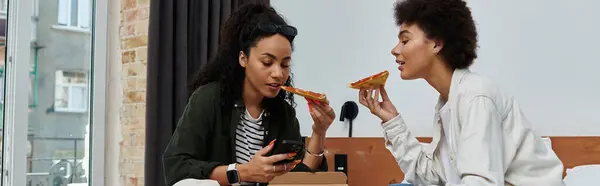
(133, 35)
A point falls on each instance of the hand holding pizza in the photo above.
(383, 109)
(322, 114)
(370, 89)
(320, 111)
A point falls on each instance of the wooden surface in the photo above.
(370, 163)
(320, 178)
(574, 151)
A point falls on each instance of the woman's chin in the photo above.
(407, 76)
(270, 94)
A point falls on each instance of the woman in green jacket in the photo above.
(237, 109)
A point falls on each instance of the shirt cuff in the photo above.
(393, 127)
(392, 123)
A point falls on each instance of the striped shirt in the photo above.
(249, 137)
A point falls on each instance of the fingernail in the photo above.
(297, 162)
(271, 143)
(310, 107)
(293, 166)
(292, 154)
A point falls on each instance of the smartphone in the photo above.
(287, 146)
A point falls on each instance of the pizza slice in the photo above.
(377, 80)
(306, 94)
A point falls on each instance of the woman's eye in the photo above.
(404, 42)
(267, 63)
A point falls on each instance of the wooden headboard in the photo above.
(370, 163)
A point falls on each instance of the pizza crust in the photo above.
(306, 94)
(377, 80)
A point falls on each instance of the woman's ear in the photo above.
(243, 59)
(437, 47)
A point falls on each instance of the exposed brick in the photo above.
(133, 123)
(131, 15)
(128, 4)
(141, 181)
(135, 42)
(132, 139)
(134, 69)
(144, 13)
(135, 177)
(143, 2)
(135, 97)
(141, 26)
(141, 54)
(133, 31)
(126, 167)
(128, 56)
(127, 112)
(127, 31)
(124, 69)
(134, 84)
(130, 110)
(139, 109)
(131, 82)
(141, 84)
(133, 181)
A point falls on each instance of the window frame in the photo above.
(68, 11)
(16, 107)
(70, 87)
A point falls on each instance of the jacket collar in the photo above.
(457, 77)
(239, 107)
(239, 104)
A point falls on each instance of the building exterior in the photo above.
(60, 42)
(123, 156)
(59, 94)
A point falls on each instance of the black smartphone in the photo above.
(287, 146)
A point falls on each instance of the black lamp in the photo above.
(349, 112)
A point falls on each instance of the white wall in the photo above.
(543, 52)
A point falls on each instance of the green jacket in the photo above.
(205, 135)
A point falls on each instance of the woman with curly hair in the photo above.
(238, 110)
(481, 136)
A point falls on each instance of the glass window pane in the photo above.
(84, 13)
(63, 12)
(78, 98)
(60, 74)
(62, 97)
(74, 11)
(71, 91)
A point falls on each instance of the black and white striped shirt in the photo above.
(249, 137)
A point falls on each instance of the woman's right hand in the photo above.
(369, 97)
(260, 169)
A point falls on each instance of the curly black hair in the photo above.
(447, 20)
(236, 35)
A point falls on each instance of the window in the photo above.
(71, 91)
(39, 146)
(74, 13)
(4, 6)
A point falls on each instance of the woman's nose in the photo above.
(396, 50)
